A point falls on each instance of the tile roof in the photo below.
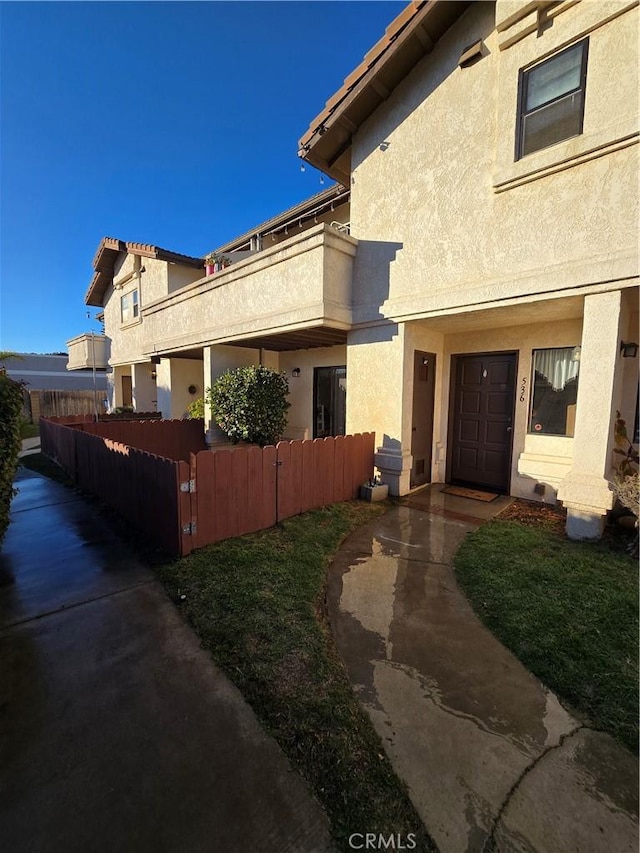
(105, 258)
(406, 40)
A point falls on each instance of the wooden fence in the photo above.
(63, 403)
(244, 489)
(218, 494)
(172, 439)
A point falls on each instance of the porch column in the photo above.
(163, 387)
(586, 492)
(376, 400)
(213, 434)
(144, 387)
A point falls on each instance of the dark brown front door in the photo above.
(424, 375)
(482, 419)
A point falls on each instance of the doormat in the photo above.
(474, 494)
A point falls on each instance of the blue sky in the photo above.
(174, 124)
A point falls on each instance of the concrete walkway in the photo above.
(117, 732)
(30, 446)
(490, 755)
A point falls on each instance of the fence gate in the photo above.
(240, 490)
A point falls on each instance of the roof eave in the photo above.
(412, 35)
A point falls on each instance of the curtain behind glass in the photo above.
(556, 366)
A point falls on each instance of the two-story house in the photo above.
(482, 302)
(491, 150)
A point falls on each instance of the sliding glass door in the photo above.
(329, 401)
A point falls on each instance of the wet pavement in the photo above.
(489, 754)
(117, 731)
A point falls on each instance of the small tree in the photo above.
(196, 408)
(10, 442)
(250, 404)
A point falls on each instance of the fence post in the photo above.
(277, 465)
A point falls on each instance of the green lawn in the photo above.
(257, 603)
(568, 610)
(28, 430)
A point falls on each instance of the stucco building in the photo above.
(474, 300)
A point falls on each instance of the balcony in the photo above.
(296, 294)
(88, 351)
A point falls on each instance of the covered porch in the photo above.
(518, 398)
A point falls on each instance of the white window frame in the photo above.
(130, 306)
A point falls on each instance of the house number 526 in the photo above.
(523, 388)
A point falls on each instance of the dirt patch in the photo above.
(535, 514)
(553, 518)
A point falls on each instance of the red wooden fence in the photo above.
(244, 489)
(171, 439)
(175, 439)
(217, 495)
(143, 488)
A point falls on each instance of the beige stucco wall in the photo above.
(174, 376)
(292, 285)
(145, 392)
(153, 279)
(178, 276)
(435, 231)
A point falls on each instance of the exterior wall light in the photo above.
(154, 375)
(192, 389)
(628, 350)
(295, 372)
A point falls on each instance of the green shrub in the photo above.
(10, 443)
(196, 409)
(250, 404)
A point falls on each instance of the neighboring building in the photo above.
(87, 351)
(479, 299)
(283, 301)
(49, 372)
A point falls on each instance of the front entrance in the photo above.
(424, 381)
(481, 420)
(329, 401)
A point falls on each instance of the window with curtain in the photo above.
(555, 391)
(551, 99)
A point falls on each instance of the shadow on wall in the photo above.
(392, 444)
(372, 267)
(437, 67)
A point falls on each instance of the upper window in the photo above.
(555, 390)
(551, 100)
(129, 306)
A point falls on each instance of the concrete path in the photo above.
(490, 755)
(30, 446)
(117, 732)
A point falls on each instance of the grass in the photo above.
(28, 430)
(568, 610)
(257, 603)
